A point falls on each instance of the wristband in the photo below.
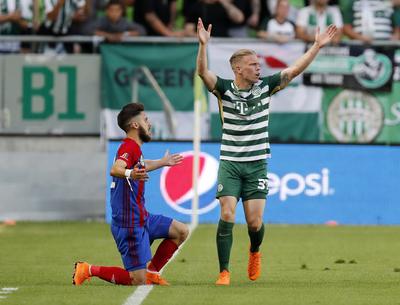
(128, 173)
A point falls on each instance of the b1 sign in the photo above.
(308, 184)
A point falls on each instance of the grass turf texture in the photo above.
(300, 266)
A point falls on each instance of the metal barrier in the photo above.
(161, 39)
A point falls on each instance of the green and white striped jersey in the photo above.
(64, 19)
(7, 7)
(373, 18)
(244, 116)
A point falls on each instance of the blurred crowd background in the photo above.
(114, 20)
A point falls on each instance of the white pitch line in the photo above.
(6, 291)
(141, 292)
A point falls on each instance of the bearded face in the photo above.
(144, 135)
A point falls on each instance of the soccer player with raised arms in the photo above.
(133, 227)
(244, 109)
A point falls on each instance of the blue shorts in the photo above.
(134, 243)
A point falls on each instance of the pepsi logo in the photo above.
(176, 183)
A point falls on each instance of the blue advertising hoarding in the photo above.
(308, 184)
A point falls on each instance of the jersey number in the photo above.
(262, 184)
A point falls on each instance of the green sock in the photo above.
(224, 243)
(256, 239)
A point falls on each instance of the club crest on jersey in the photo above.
(256, 91)
(125, 156)
(241, 107)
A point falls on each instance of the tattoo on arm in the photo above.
(284, 80)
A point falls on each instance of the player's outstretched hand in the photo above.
(326, 37)
(139, 173)
(170, 160)
(203, 34)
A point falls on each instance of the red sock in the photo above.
(114, 275)
(164, 252)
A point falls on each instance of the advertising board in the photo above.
(308, 184)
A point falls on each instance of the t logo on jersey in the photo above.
(241, 107)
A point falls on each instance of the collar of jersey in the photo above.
(238, 91)
(236, 88)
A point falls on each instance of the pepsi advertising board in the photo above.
(308, 184)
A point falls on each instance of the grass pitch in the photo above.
(301, 265)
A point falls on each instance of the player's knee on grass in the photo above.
(138, 277)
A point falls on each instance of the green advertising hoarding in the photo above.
(172, 66)
(67, 94)
(298, 114)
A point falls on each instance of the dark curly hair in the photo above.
(128, 112)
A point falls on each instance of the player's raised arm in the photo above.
(302, 63)
(167, 160)
(208, 77)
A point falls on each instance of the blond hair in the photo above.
(238, 55)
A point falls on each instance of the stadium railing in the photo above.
(160, 39)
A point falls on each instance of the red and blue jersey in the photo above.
(127, 195)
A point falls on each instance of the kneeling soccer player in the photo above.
(133, 228)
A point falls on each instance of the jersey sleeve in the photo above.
(128, 154)
(220, 86)
(273, 81)
(348, 13)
